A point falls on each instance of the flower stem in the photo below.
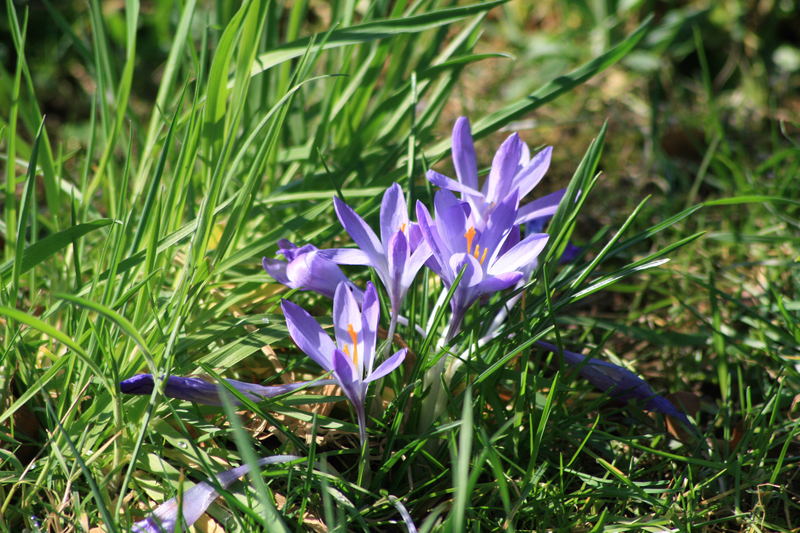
(436, 401)
(390, 333)
(364, 472)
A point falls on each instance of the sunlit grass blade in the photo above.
(45, 248)
(25, 221)
(462, 457)
(370, 31)
(272, 520)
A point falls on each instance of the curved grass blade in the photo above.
(52, 332)
(34, 389)
(25, 213)
(272, 519)
(371, 31)
(45, 248)
(123, 323)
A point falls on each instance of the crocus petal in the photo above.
(498, 225)
(308, 334)
(352, 386)
(197, 499)
(443, 182)
(308, 268)
(346, 256)
(504, 166)
(541, 207)
(530, 176)
(202, 392)
(415, 237)
(524, 157)
(520, 255)
(619, 382)
(276, 268)
(512, 239)
(315, 272)
(398, 256)
(439, 253)
(500, 282)
(464, 159)
(347, 319)
(344, 369)
(466, 292)
(290, 250)
(359, 231)
(370, 316)
(415, 262)
(394, 213)
(451, 221)
(473, 274)
(387, 366)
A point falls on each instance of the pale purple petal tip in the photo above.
(197, 499)
(275, 268)
(464, 159)
(394, 213)
(541, 208)
(308, 335)
(443, 182)
(387, 366)
(504, 167)
(409, 523)
(527, 178)
(358, 230)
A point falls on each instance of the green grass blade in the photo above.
(42, 250)
(272, 520)
(371, 31)
(461, 461)
(25, 215)
(53, 333)
(123, 323)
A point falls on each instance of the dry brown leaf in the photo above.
(687, 402)
(206, 524)
(309, 520)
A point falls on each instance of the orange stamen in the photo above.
(353, 337)
(469, 235)
(476, 252)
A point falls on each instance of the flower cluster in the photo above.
(479, 243)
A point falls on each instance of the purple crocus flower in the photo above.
(202, 392)
(352, 356)
(494, 257)
(619, 382)
(396, 256)
(196, 500)
(513, 169)
(306, 268)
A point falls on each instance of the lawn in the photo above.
(187, 188)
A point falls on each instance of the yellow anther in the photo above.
(476, 252)
(469, 235)
(353, 337)
(403, 227)
(483, 257)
